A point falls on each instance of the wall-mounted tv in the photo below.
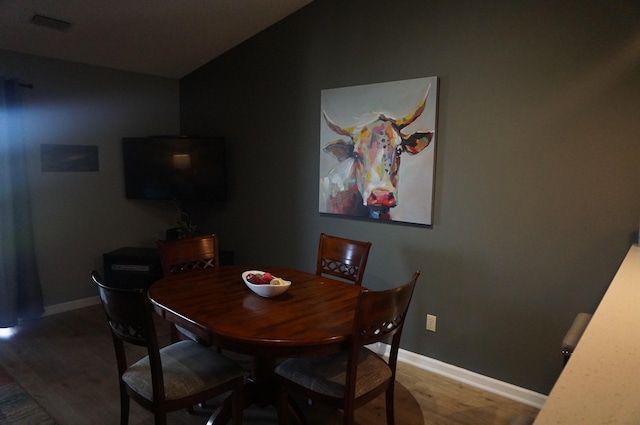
(174, 168)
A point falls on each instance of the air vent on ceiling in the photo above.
(52, 23)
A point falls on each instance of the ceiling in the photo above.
(168, 38)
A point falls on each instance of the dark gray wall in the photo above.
(78, 216)
(537, 195)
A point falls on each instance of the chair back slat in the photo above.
(189, 254)
(381, 314)
(342, 258)
(128, 312)
(184, 256)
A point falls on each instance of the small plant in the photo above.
(184, 227)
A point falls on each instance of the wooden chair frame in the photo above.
(187, 255)
(342, 258)
(380, 315)
(130, 319)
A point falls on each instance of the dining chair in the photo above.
(342, 258)
(174, 377)
(187, 255)
(350, 379)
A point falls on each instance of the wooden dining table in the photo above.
(314, 317)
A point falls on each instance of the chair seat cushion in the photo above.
(327, 374)
(187, 367)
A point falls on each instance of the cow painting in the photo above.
(365, 181)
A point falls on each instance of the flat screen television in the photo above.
(174, 168)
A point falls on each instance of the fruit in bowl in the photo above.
(260, 279)
(264, 283)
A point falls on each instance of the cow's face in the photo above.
(376, 148)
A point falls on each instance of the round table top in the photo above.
(313, 317)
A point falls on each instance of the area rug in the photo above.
(16, 405)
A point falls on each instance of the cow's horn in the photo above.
(335, 127)
(403, 122)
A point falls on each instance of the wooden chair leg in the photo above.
(389, 405)
(160, 418)
(348, 417)
(237, 407)
(296, 411)
(124, 407)
(282, 407)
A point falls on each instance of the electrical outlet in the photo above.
(431, 322)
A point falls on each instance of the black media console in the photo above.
(139, 267)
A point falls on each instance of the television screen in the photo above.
(174, 168)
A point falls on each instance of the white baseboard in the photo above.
(504, 389)
(71, 305)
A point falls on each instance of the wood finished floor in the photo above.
(66, 362)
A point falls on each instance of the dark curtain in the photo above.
(20, 291)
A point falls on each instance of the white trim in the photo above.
(504, 389)
(71, 305)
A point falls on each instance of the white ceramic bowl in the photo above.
(266, 291)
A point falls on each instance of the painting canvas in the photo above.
(377, 150)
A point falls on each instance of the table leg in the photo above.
(260, 390)
(261, 385)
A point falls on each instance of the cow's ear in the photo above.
(341, 149)
(417, 141)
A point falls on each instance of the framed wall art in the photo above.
(377, 150)
(69, 157)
